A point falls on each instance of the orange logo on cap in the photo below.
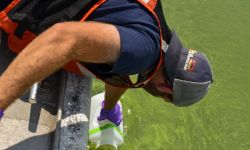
(191, 65)
(190, 62)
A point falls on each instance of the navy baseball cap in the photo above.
(188, 72)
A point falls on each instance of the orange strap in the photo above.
(15, 44)
(5, 23)
(72, 66)
(99, 3)
(150, 5)
(11, 6)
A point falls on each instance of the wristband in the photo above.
(1, 113)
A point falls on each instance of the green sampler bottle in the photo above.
(105, 134)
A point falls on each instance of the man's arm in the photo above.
(89, 42)
(112, 95)
(111, 109)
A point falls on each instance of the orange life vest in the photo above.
(16, 19)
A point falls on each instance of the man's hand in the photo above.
(111, 110)
(1, 113)
(114, 115)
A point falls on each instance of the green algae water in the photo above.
(106, 147)
(92, 146)
(221, 29)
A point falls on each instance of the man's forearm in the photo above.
(36, 61)
(112, 95)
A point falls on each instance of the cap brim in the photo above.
(186, 92)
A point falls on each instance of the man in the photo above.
(118, 39)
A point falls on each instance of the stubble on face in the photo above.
(152, 89)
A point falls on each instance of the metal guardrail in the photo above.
(73, 113)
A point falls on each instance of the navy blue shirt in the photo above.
(139, 34)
